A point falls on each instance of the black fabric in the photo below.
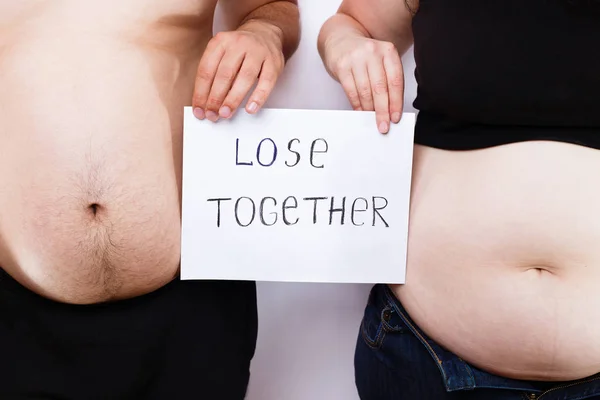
(187, 340)
(496, 72)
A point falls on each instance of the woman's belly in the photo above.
(90, 148)
(504, 257)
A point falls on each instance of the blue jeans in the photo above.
(395, 360)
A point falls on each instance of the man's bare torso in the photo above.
(90, 131)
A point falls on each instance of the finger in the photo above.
(244, 81)
(347, 81)
(395, 80)
(379, 87)
(266, 83)
(205, 76)
(363, 85)
(224, 77)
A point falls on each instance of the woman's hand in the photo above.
(371, 73)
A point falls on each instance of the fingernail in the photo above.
(199, 113)
(383, 127)
(396, 117)
(225, 112)
(253, 107)
(212, 116)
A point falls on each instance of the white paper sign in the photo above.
(296, 195)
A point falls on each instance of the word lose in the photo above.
(268, 211)
(274, 152)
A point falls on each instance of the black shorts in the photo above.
(187, 340)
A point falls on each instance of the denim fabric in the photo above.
(395, 360)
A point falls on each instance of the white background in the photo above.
(307, 332)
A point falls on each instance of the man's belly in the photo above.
(504, 257)
(90, 152)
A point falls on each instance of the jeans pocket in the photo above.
(391, 362)
(375, 325)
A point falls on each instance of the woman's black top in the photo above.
(496, 72)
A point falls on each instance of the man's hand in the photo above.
(232, 63)
(370, 71)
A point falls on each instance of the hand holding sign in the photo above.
(295, 195)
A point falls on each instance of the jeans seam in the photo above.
(374, 344)
(392, 329)
(413, 329)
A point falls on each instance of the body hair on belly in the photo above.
(93, 200)
(99, 252)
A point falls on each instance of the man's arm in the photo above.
(280, 17)
(266, 35)
(361, 47)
